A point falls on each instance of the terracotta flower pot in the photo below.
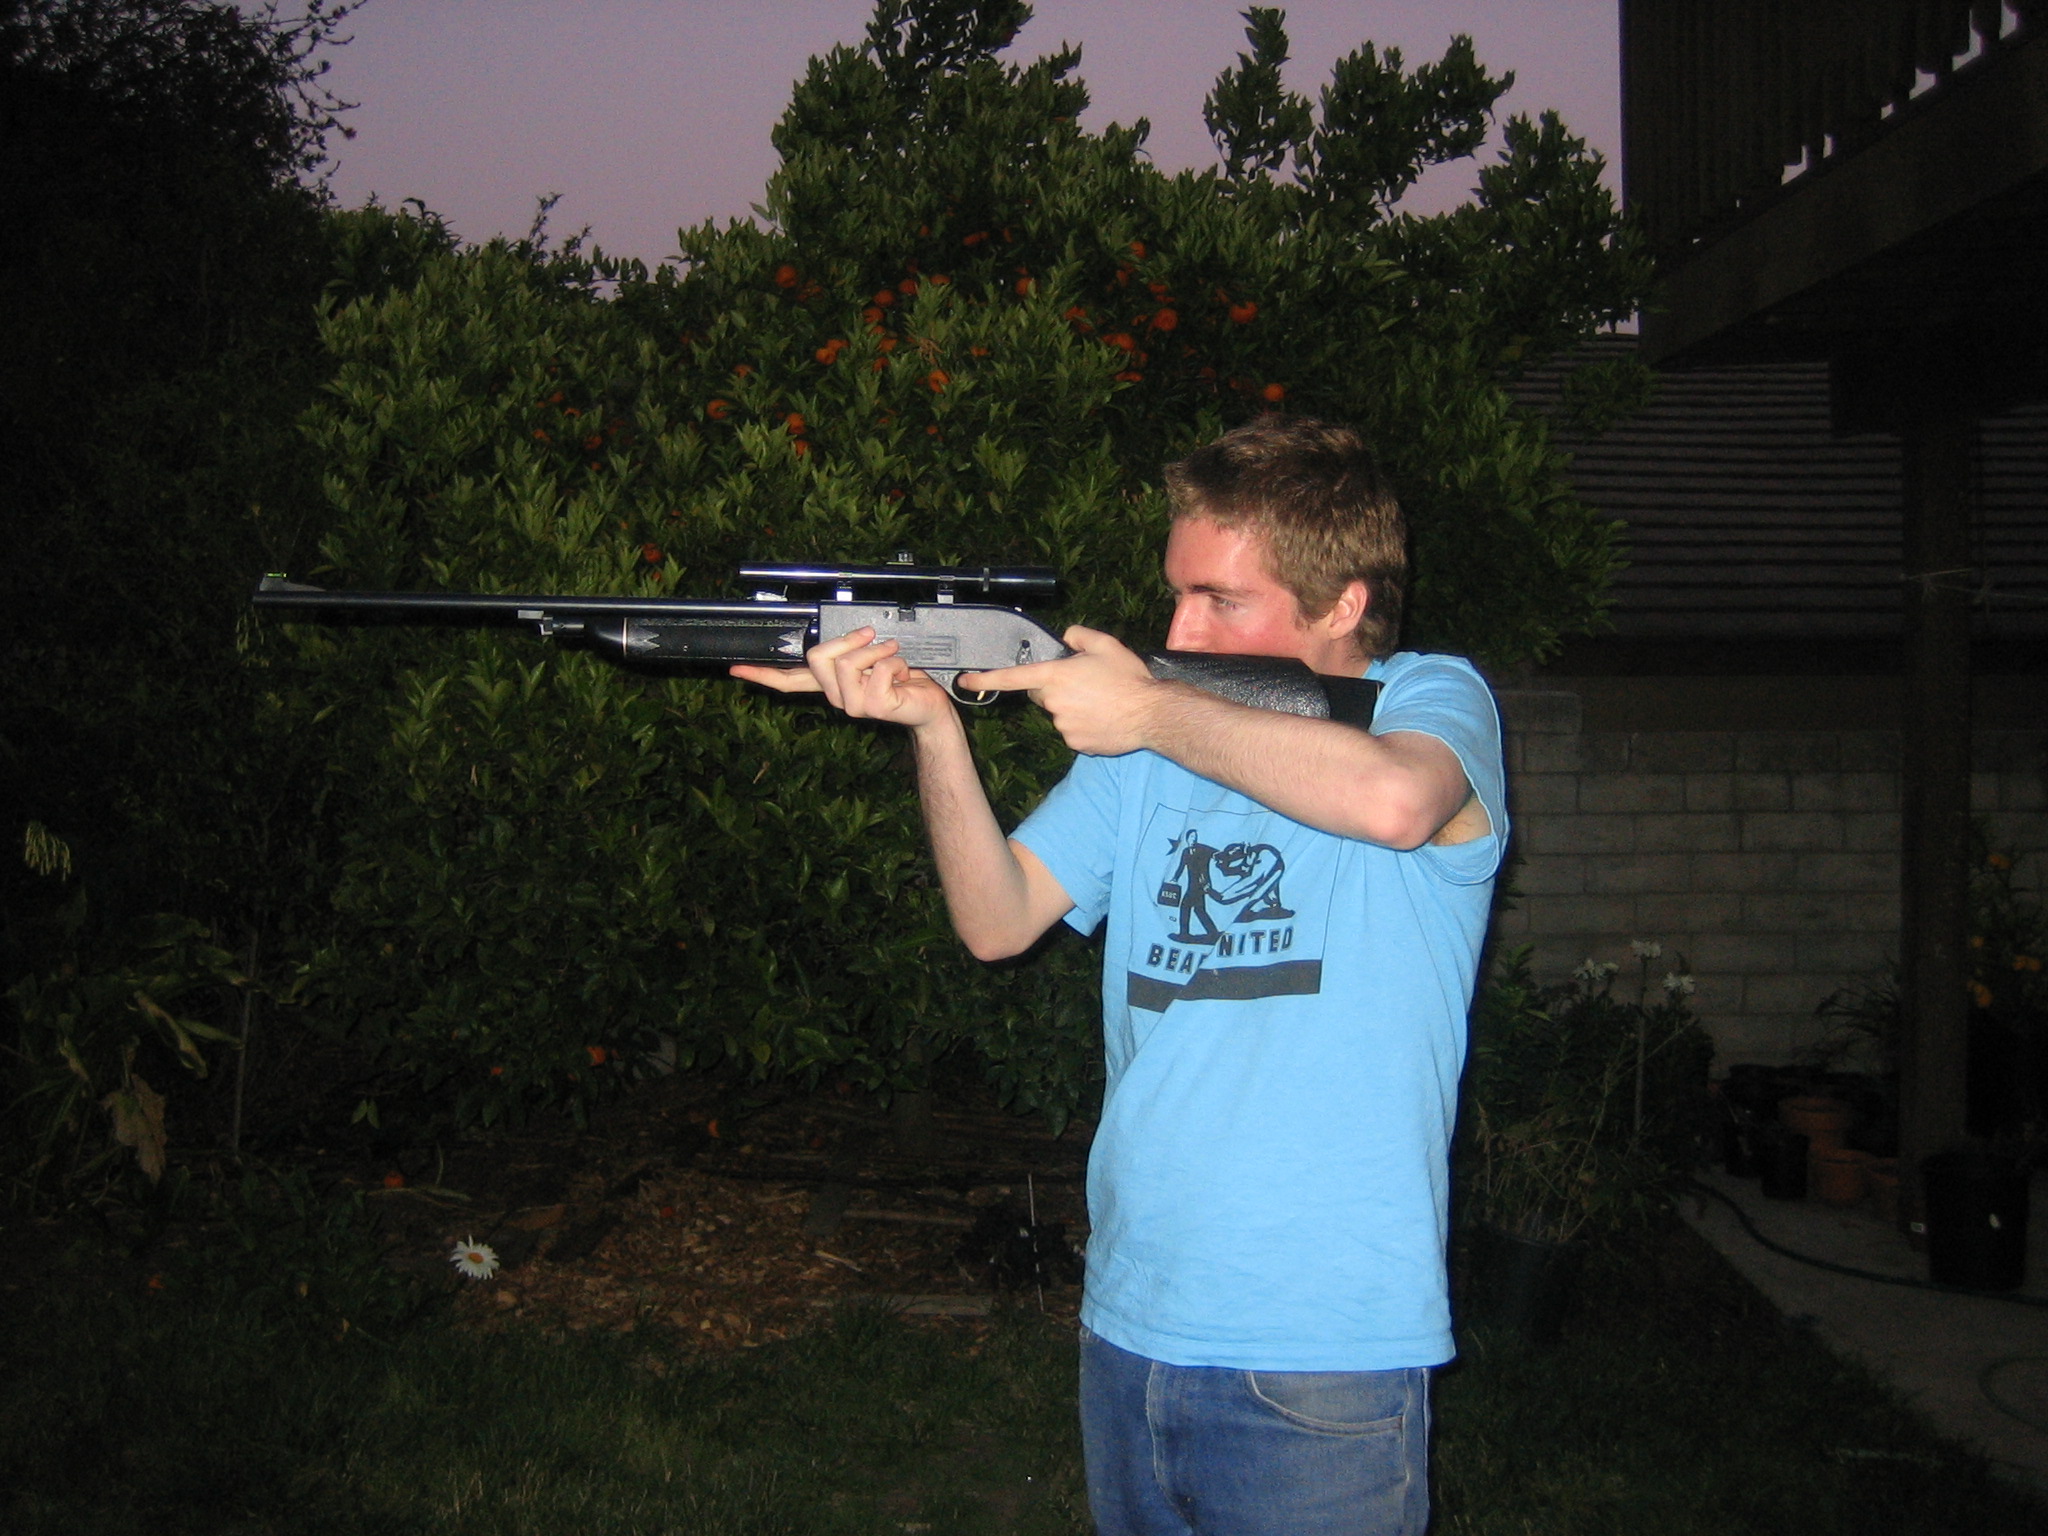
(1839, 1175)
(1824, 1122)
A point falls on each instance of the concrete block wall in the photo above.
(1768, 859)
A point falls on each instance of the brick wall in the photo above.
(1768, 858)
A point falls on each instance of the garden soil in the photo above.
(738, 1220)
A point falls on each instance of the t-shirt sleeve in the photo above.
(1073, 832)
(1444, 697)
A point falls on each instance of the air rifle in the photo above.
(920, 607)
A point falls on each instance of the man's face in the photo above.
(1228, 603)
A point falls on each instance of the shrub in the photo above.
(102, 995)
(972, 330)
(1581, 1108)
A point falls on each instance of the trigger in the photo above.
(978, 698)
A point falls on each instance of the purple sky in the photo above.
(650, 114)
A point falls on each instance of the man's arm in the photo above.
(1399, 790)
(1000, 896)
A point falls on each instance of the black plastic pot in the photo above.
(1755, 1089)
(1780, 1162)
(1976, 1220)
(1737, 1129)
(1523, 1283)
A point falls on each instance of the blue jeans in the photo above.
(1186, 1450)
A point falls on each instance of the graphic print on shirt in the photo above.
(1220, 924)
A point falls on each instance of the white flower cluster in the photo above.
(1645, 949)
(1595, 971)
(1677, 984)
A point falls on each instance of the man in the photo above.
(1295, 913)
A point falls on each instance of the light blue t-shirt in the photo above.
(1284, 1021)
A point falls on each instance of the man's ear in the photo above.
(1349, 611)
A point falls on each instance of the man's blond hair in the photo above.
(1313, 493)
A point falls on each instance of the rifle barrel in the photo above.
(643, 630)
(298, 602)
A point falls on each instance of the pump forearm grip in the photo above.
(1270, 682)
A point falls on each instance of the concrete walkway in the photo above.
(1953, 1358)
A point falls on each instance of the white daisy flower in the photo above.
(1645, 949)
(1678, 984)
(477, 1260)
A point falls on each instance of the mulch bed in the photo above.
(737, 1222)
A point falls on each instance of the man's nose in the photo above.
(1185, 632)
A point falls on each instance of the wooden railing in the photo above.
(1721, 99)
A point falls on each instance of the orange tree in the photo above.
(972, 329)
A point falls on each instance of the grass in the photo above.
(1682, 1403)
(1678, 1403)
(118, 1422)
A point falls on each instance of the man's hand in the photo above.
(1097, 697)
(862, 676)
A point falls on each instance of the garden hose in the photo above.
(1990, 1372)
(2039, 1302)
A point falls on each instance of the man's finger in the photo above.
(832, 650)
(1007, 679)
(853, 665)
(781, 679)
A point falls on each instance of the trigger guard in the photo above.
(976, 698)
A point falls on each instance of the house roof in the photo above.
(1748, 520)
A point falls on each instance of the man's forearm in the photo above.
(1396, 790)
(999, 903)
